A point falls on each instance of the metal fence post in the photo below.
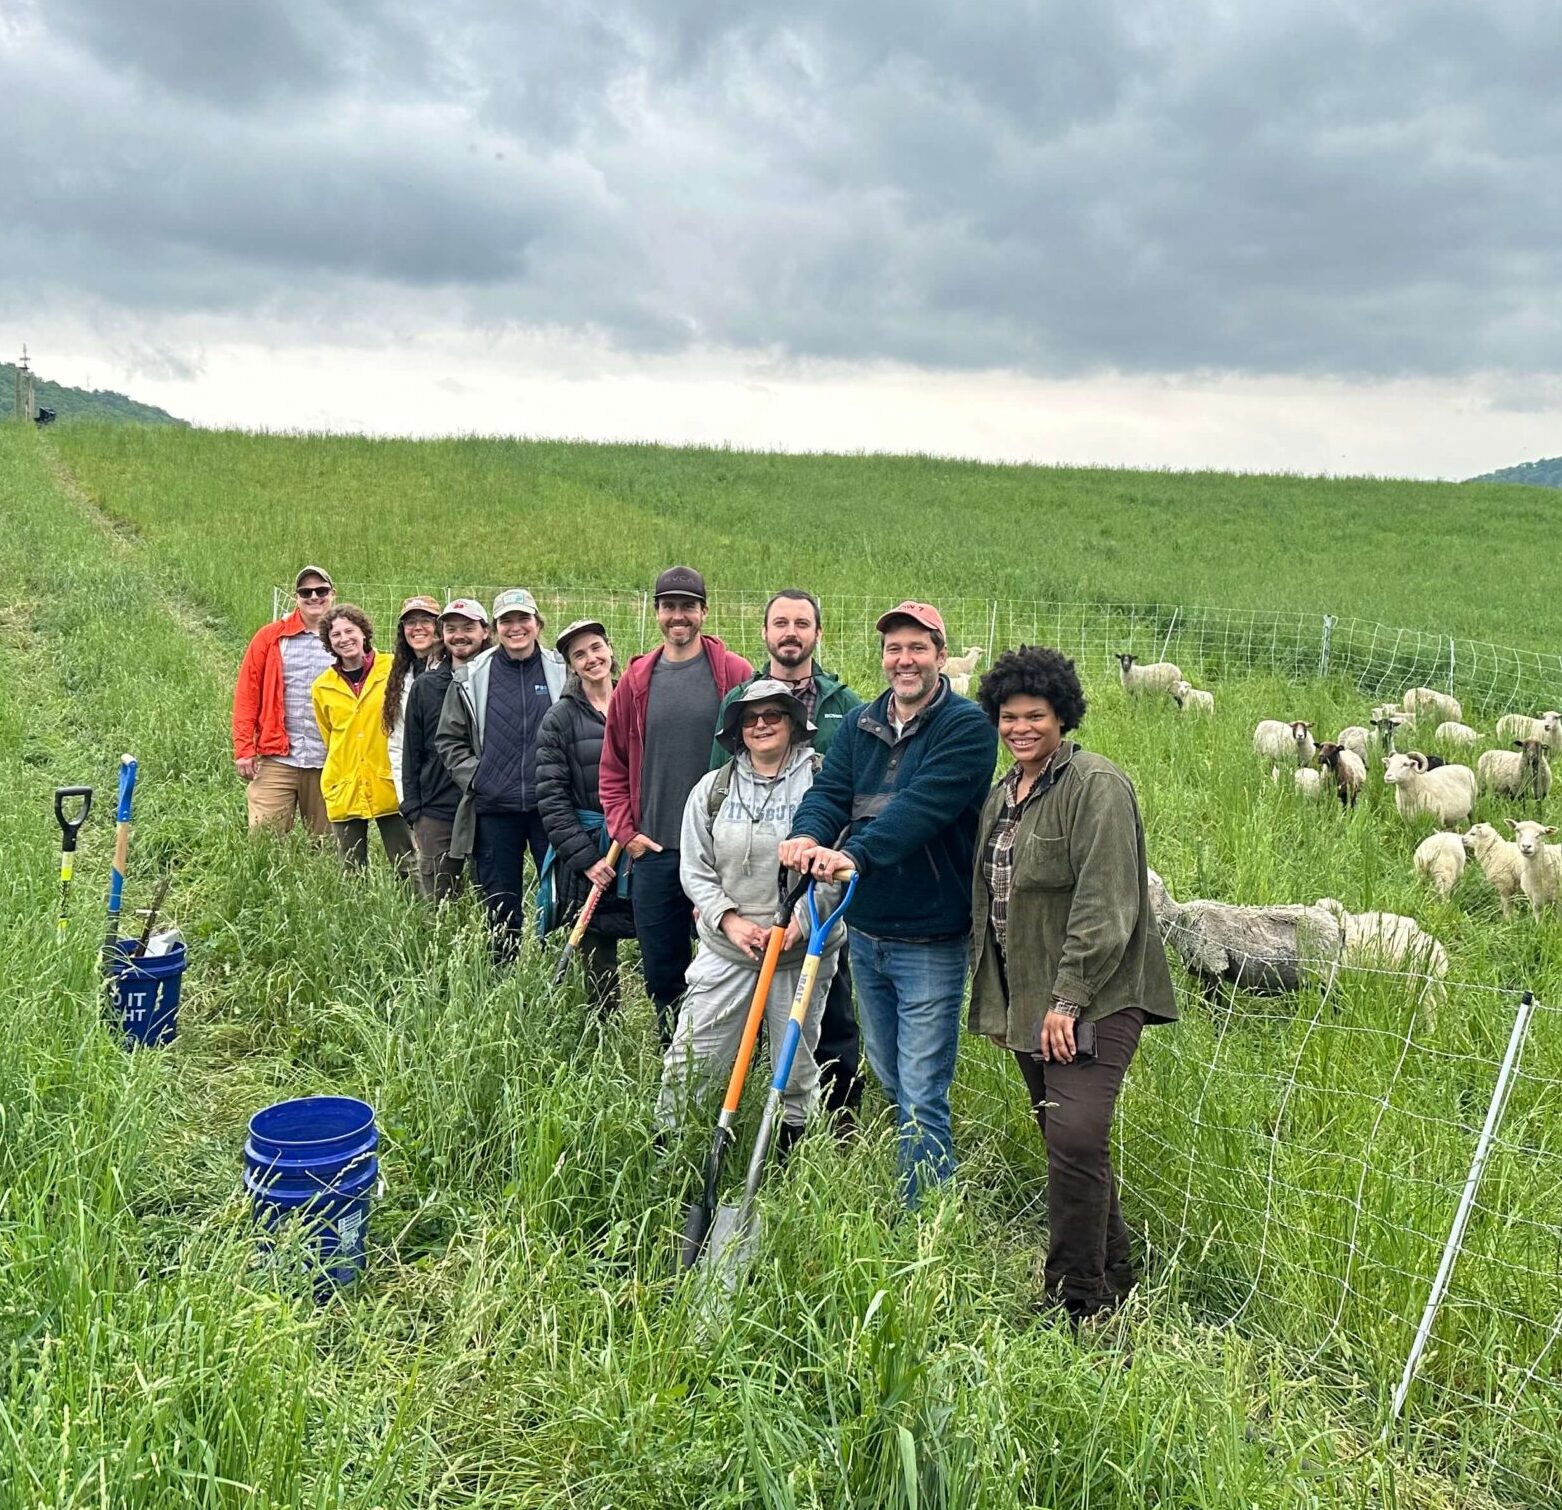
(644, 608)
(1329, 621)
(992, 630)
(1450, 665)
(276, 604)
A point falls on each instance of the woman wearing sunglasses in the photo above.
(733, 824)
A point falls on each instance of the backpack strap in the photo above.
(723, 783)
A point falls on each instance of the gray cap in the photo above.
(763, 689)
(680, 582)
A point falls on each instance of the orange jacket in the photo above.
(259, 725)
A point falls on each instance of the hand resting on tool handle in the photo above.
(809, 857)
(601, 873)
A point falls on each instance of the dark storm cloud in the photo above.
(1316, 189)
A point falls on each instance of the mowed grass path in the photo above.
(520, 1339)
(231, 513)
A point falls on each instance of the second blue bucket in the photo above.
(315, 1158)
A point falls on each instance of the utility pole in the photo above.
(25, 398)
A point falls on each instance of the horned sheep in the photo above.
(1191, 699)
(1540, 864)
(1447, 793)
(1499, 859)
(1156, 677)
(1440, 857)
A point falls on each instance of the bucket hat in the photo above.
(763, 689)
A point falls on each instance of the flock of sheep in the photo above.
(1276, 949)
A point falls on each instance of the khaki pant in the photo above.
(439, 876)
(279, 793)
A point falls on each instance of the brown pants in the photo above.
(1089, 1265)
(279, 793)
(352, 838)
(439, 876)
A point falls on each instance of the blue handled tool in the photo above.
(116, 879)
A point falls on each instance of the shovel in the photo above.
(583, 922)
(116, 878)
(735, 1232)
(69, 828)
(697, 1221)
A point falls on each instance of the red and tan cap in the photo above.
(465, 608)
(422, 603)
(919, 613)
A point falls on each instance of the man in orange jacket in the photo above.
(277, 746)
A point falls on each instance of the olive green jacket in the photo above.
(1080, 926)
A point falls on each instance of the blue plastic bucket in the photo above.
(315, 1159)
(144, 993)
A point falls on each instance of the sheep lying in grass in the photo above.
(964, 665)
(1521, 772)
(1447, 792)
(1355, 738)
(1440, 858)
(1461, 736)
(1266, 950)
(1288, 744)
(1156, 677)
(1547, 728)
(1190, 699)
(1540, 865)
(1499, 859)
(1347, 770)
(1425, 702)
(1386, 941)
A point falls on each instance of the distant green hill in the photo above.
(99, 405)
(1538, 474)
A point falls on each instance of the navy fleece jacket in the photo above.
(914, 803)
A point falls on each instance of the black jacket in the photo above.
(569, 751)
(426, 788)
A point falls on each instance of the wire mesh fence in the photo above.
(1209, 644)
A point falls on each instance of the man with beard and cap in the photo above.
(429, 797)
(910, 774)
(487, 737)
(655, 747)
(791, 632)
(277, 747)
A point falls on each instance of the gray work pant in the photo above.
(717, 995)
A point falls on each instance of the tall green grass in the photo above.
(520, 1337)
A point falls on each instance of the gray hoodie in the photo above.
(729, 863)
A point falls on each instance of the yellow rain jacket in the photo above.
(356, 781)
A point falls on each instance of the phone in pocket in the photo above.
(1084, 1042)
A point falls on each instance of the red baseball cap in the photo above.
(919, 613)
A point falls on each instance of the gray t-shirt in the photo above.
(680, 718)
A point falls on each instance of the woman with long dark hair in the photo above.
(417, 648)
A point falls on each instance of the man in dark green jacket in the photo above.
(791, 631)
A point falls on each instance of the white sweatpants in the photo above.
(715, 1006)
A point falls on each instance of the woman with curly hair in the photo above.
(1068, 964)
(349, 703)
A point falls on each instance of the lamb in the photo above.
(1355, 738)
(1190, 699)
(1423, 702)
(1385, 720)
(1156, 677)
(961, 684)
(1457, 734)
(1547, 728)
(964, 665)
(1309, 783)
(1292, 743)
(1447, 793)
(1347, 770)
(1499, 858)
(1386, 941)
(1440, 858)
(1540, 865)
(1524, 772)
(1265, 950)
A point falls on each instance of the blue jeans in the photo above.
(909, 997)
(664, 925)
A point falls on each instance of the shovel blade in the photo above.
(733, 1243)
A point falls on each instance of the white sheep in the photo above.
(1309, 783)
(1547, 728)
(1386, 941)
(1524, 772)
(960, 684)
(1540, 865)
(1190, 699)
(1500, 860)
(1355, 738)
(1448, 793)
(1291, 743)
(964, 665)
(1460, 735)
(1347, 771)
(1425, 702)
(1156, 677)
(1440, 857)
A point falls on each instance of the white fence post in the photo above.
(1329, 621)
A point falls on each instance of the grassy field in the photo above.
(520, 1338)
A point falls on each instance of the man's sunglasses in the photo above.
(314, 592)
(763, 716)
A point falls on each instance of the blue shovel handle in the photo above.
(821, 928)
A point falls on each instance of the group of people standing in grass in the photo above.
(473, 745)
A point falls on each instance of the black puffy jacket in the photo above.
(426, 788)
(569, 750)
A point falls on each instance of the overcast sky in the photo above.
(1315, 237)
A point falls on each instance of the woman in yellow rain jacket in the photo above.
(349, 701)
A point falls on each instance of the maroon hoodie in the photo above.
(623, 746)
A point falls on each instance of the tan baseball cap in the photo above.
(312, 571)
(422, 603)
(515, 600)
